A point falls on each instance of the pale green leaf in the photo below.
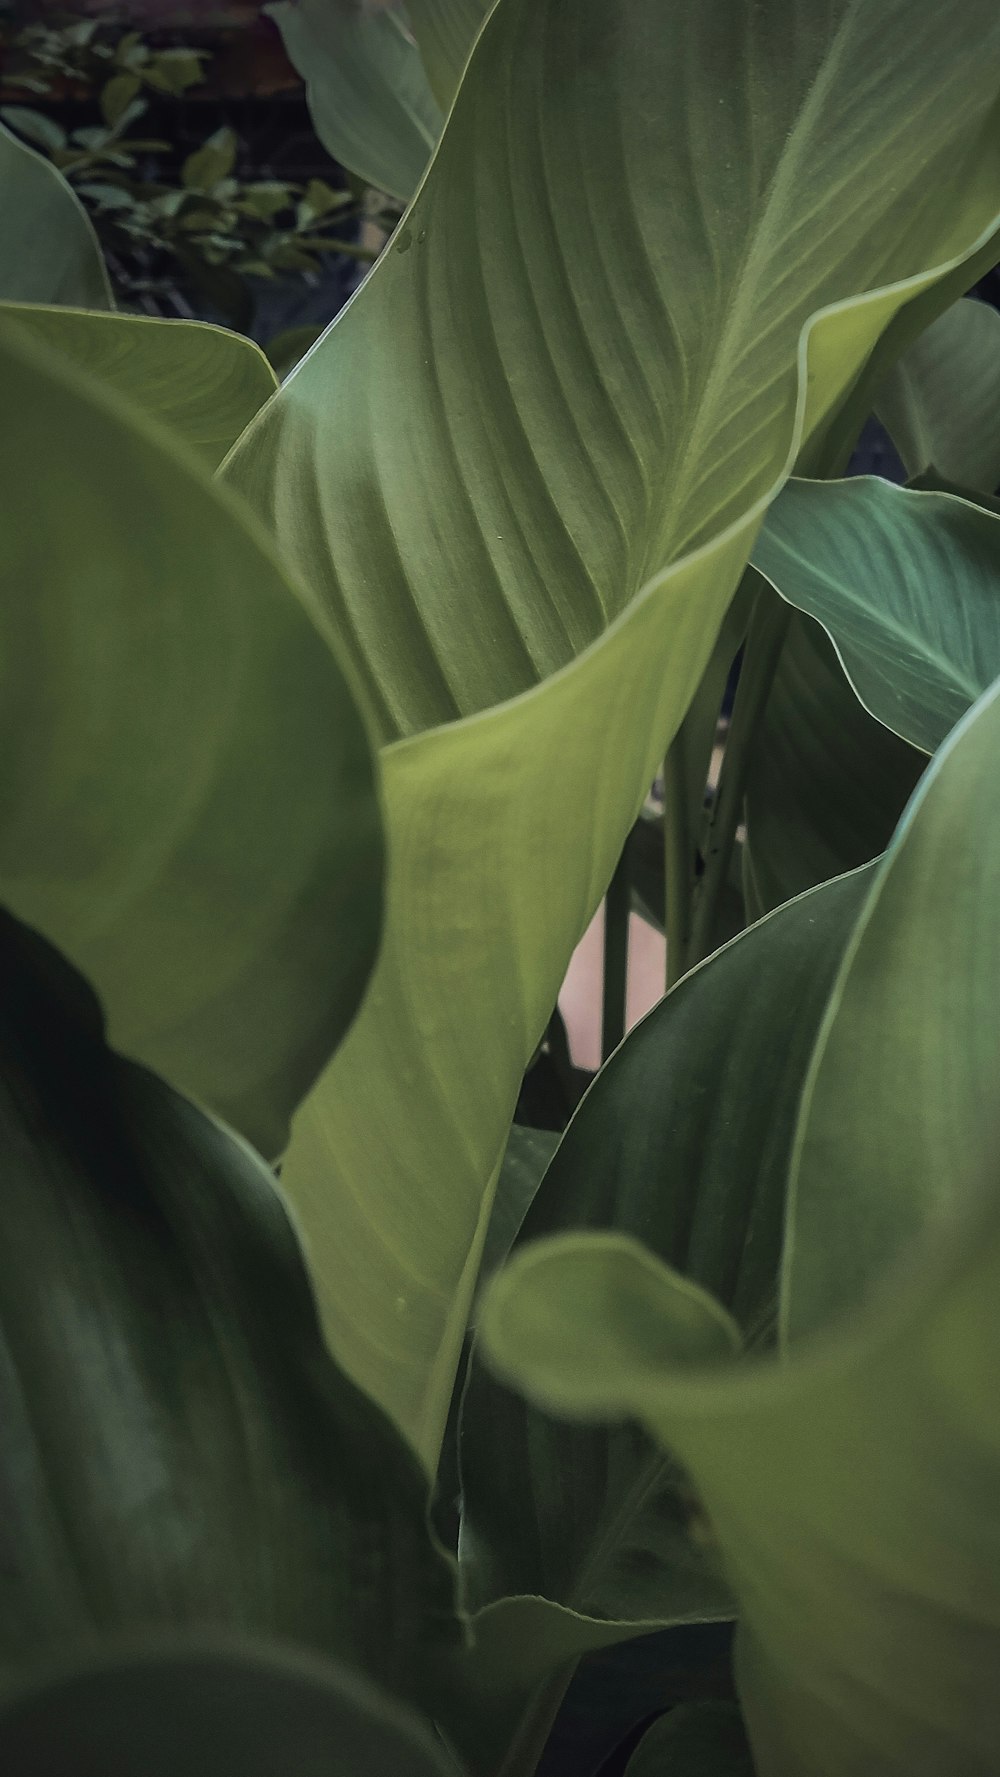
(368, 94)
(853, 1487)
(211, 1707)
(908, 586)
(203, 382)
(48, 249)
(826, 783)
(213, 161)
(521, 475)
(941, 402)
(187, 806)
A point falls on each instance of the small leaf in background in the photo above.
(908, 586)
(318, 200)
(215, 160)
(174, 70)
(35, 126)
(117, 96)
(208, 1706)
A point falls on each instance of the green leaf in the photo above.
(553, 474)
(211, 1708)
(48, 248)
(852, 1486)
(203, 382)
(525, 1159)
(174, 70)
(286, 348)
(446, 31)
(683, 1140)
(179, 1452)
(908, 586)
(188, 807)
(117, 95)
(941, 401)
(369, 99)
(694, 1740)
(213, 161)
(826, 783)
(40, 129)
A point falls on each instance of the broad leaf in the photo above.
(188, 808)
(940, 402)
(204, 382)
(446, 31)
(908, 586)
(368, 94)
(826, 783)
(178, 1449)
(48, 249)
(683, 1140)
(853, 1487)
(209, 1707)
(524, 469)
(694, 1740)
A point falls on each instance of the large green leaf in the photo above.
(826, 783)
(683, 1140)
(446, 31)
(368, 94)
(908, 586)
(524, 469)
(853, 1487)
(694, 1740)
(208, 1707)
(187, 806)
(48, 249)
(204, 382)
(941, 401)
(178, 1448)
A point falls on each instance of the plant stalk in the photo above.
(678, 855)
(617, 908)
(768, 627)
(526, 1748)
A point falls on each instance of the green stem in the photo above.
(617, 908)
(678, 855)
(525, 1750)
(765, 640)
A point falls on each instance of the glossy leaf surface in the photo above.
(368, 94)
(826, 783)
(211, 1708)
(853, 1486)
(908, 586)
(940, 402)
(522, 480)
(188, 806)
(203, 382)
(179, 1451)
(48, 249)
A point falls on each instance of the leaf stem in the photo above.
(617, 908)
(678, 857)
(765, 640)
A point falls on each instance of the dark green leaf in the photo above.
(178, 1449)
(48, 249)
(694, 1740)
(212, 1707)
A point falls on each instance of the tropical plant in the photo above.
(329, 713)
